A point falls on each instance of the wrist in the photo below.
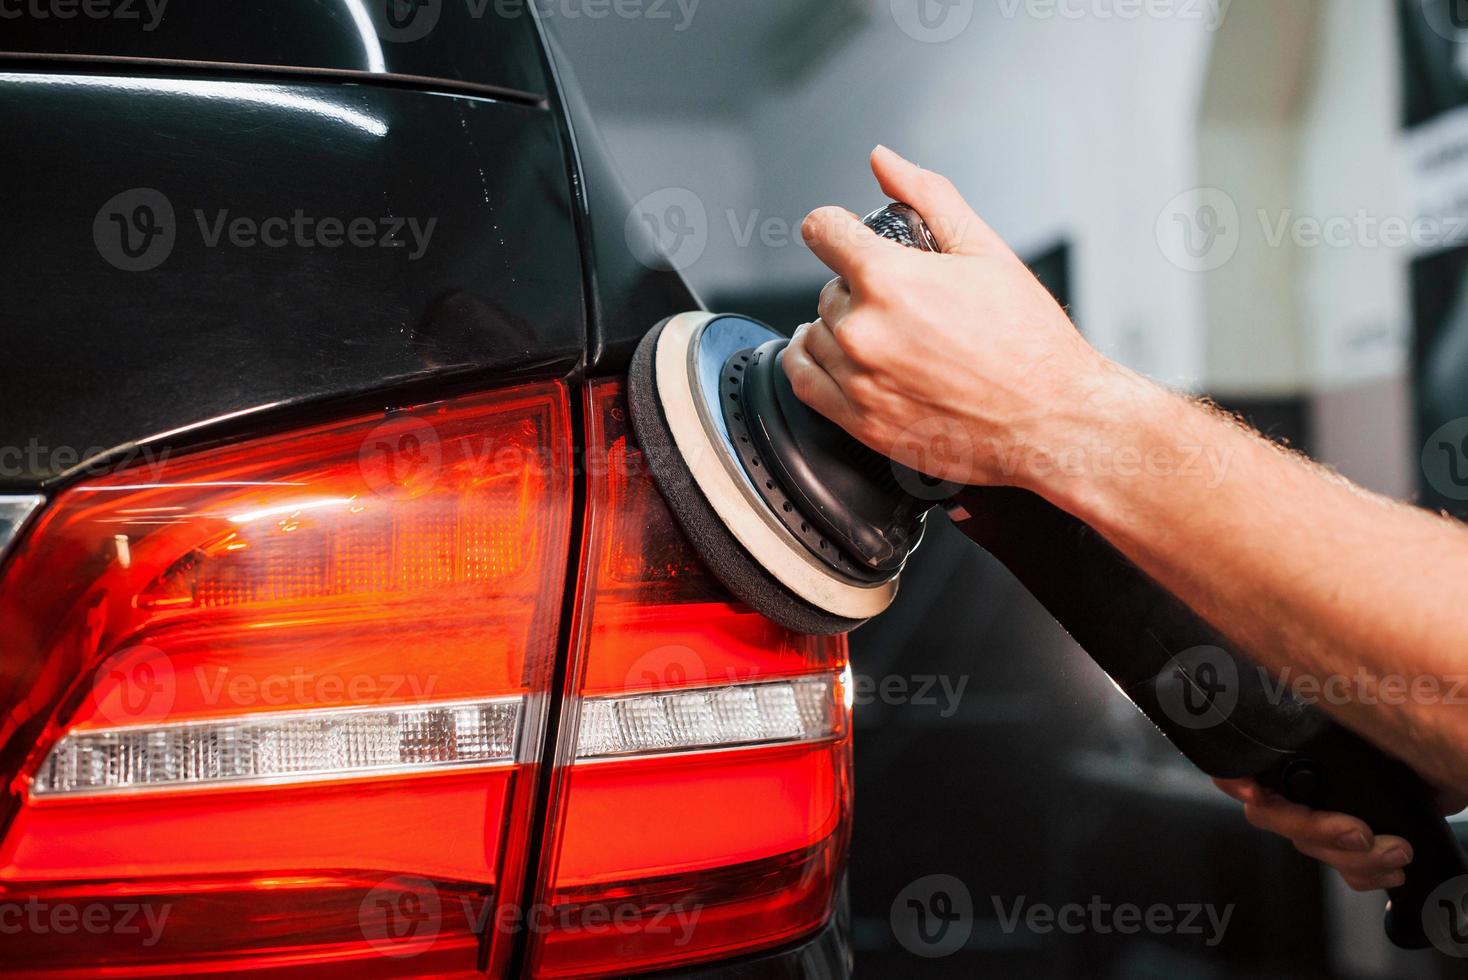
(1111, 429)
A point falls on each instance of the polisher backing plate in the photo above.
(762, 472)
(672, 382)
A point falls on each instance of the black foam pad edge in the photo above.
(720, 551)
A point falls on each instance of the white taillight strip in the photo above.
(284, 747)
(801, 709)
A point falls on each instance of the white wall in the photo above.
(1077, 127)
(1354, 300)
(1060, 121)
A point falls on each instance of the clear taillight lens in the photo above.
(287, 696)
(703, 793)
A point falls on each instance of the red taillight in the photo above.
(703, 792)
(287, 695)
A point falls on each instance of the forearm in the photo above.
(1355, 599)
(1309, 575)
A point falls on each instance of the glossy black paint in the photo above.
(97, 356)
(475, 42)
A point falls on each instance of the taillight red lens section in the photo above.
(290, 691)
(703, 794)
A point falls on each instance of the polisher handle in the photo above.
(1227, 715)
(1338, 771)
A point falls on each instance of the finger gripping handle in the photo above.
(1340, 772)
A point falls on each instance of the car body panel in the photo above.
(480, 270)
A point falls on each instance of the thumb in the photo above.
(953, 223)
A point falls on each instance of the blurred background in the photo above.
(1256, 200)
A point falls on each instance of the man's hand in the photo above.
(1365, 861)
(957, 364)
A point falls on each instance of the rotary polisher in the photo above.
(812, 529)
